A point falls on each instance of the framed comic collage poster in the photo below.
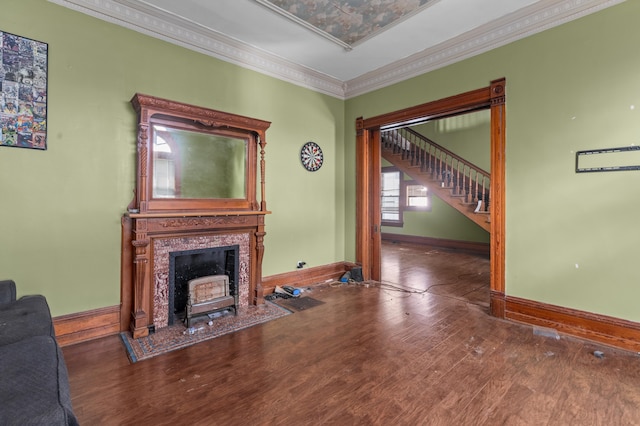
(23, 92)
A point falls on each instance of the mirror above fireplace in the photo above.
(192, 158)
(206, 165)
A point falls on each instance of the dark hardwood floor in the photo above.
(371, 355)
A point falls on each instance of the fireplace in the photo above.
(212, 201)
(202, 281)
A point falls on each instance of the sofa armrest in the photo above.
(7, 291)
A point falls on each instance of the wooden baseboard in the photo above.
(88, 325)
(470, 246)
(307, 276)
(83, 326)
(599, 328)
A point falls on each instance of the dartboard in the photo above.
(311, 156)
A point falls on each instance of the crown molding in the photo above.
(528, 21)
(174, 29)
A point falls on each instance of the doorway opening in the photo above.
(368, 167)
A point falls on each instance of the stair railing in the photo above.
(462, 177)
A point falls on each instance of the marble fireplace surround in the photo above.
(162, 247)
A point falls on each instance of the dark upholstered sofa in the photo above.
(34, 386)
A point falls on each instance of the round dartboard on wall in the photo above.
(311, 156)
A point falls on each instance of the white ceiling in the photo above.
(251, 35)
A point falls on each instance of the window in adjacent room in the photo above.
(390, 204)
(416, 196)
(400, 195)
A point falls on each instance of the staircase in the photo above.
(459, 183)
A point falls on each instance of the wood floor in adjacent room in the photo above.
(368, 356)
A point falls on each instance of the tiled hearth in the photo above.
(163, 246)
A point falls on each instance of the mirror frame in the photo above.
(152, 110)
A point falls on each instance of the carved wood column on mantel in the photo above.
(140, 318)
(263, 143)
(259, 236)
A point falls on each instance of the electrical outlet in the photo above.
(301, 264)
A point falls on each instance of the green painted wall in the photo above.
(467, 135)
(442, 221)
(571, 238)
(61, 207)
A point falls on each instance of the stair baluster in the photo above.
(484, 195)
(422, 155)
(476, 194)
(414, 150)
(463, 187)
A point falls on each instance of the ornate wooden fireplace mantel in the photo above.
(196, 184)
